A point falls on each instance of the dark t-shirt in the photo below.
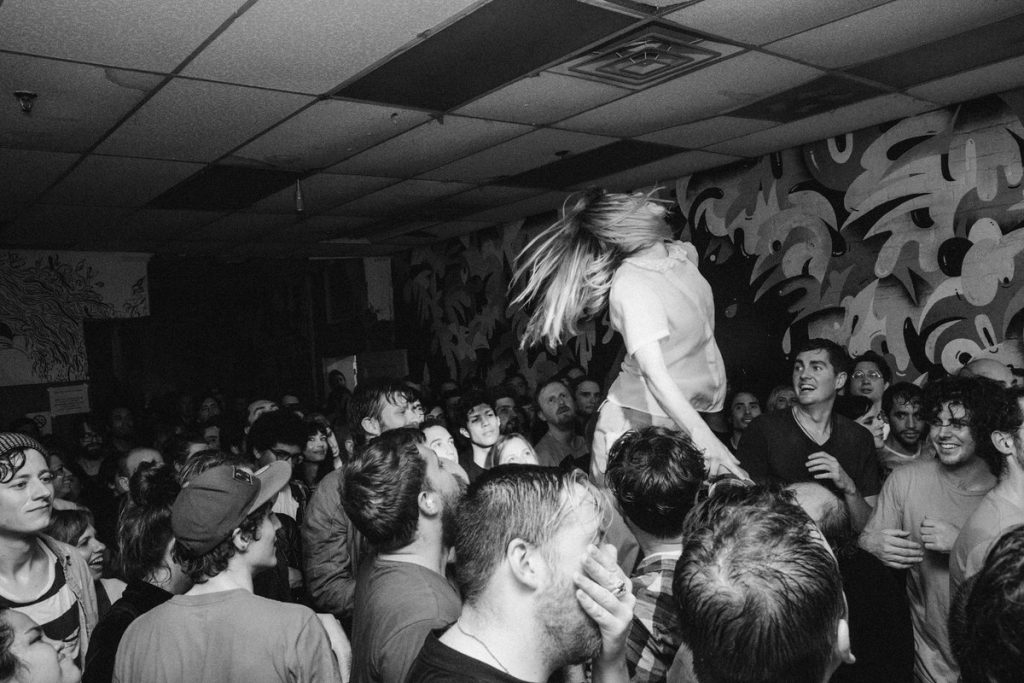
(397, 604)
(138, 598)
(775, 449)
(438, 662)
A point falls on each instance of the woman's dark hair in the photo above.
(9, 662)
(67, 526)
(144, 526)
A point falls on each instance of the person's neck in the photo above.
(480, 454)
(734, 439)
(894, 444)
(1012, 479)
(238, 575)
(656, 250)
(89, 465)
(17, 552)
(426, 551)
(561, 434)
(815, 413)
(973, 475)
(651, 544)
(505, 638)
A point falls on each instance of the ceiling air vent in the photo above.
(654, 54)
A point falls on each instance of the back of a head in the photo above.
(144, 527)
(759, 594)
(989, 644)
(276, 427)
(368, 401)
(380, 488)
(508, 502)
(655, 474)
(853, 407)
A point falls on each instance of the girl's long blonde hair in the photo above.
(562, 276)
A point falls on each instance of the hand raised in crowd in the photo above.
(604, 594)
(823, 466)
(938, 535)
(893, 547)
(720, 460)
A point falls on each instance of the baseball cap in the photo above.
(215, 503)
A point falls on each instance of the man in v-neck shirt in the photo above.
(811, 442)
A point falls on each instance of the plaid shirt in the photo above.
(654, 636)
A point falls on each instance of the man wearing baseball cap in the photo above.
(219, 631)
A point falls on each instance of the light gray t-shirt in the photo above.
(226, 637)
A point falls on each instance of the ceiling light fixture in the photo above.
(300, 204)
(26, 99)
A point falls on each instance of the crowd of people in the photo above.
(668, 527)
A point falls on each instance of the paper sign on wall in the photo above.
(69, 400)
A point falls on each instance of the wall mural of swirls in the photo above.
(44, 299)
(904, 238)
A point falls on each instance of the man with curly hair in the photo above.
(224, 527)
(924, 505)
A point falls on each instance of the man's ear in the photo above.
(241, 543)
(428, 503)
(841, 380)
(370, 425)
(464, 432)
(843, 650)
(1003, 441)
(525, 563)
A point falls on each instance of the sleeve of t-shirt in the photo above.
(401, 650)
(753, 451)
(868, 479)
(314, 658)
(888, 512)
(635, 312)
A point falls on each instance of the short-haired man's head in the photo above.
(837, 356)
(825, 508)
(555, 404)
(988, 644)
(1002, 421)
(376, 406)
(973, 399)
(282, 427)
(655, 474)
(902, 392)
(471, 401)
(380, 488)
(754, 571)
(507, 503)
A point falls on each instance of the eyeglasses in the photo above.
(285, 455)
(870, 375)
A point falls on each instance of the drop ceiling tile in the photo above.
(549, 201)
(844, 120)
(722, 86)
(430, 145)
(328, 132)
(541, 99)
(154, 36)
(583, 168)
(664, 172)
(890, 28)
(516, 156)
(8, 212)
(167, 224)
(1005, 75)
(445, 231)
(66, 226)
(331, 227)
(757, 22)
(240, 227)
(318, 44)
(100, 181)
(480, 198)
(702, 133)
(401, 197)
(27, 173)
(389, 231)
(321, 192)
(196, 121)
(821, 95)
(76, 103)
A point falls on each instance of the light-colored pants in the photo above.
(613, 421)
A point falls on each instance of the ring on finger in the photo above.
(619, 589)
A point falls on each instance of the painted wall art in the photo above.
(44, 299)
(904, 238)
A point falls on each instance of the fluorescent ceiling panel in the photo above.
(757, 22)
(315, 45)
(100, 181)
(990, 79)
(702, 133)
(851, 118)
(544, 98)
(76, 103)
(428, 146)
(722, 86)
(498, 42)
(328, 132)
(519, 155)
(197, 121)
(894, 27)
(153, 36)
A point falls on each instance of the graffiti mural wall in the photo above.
(45, 296)
(903, 238)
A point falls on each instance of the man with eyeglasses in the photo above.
(871, 377)
(923, 506)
